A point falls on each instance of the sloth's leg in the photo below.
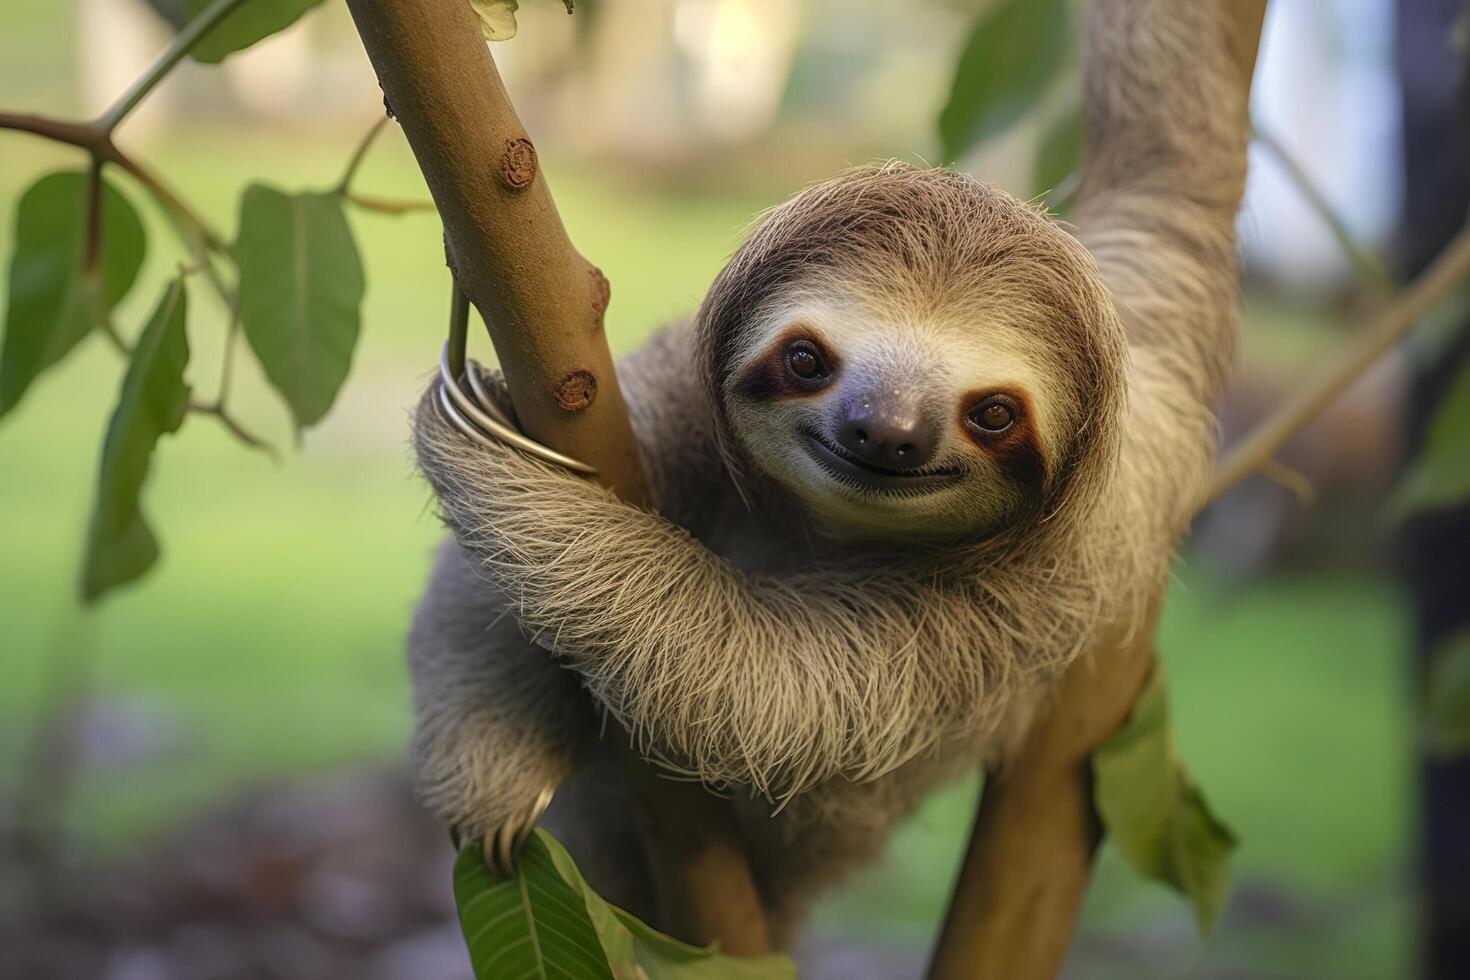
(497, 722)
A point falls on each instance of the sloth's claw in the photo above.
(503, 844)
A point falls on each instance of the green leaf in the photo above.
(532, 925)
(548, 922)
(1440, 476)
(49, 308)
(120, 546)
(497, 18)
(252, 21)
(301, 286)
(1155, 814)
(1012, 56)
(1449, 696)
(1059, 154)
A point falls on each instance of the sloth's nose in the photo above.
(887, 433)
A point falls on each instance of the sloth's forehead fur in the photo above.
(937, 282)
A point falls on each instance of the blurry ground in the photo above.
(267, 646)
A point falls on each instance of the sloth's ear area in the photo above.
(798, 363)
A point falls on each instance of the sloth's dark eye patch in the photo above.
(805, 361)
(993, 415)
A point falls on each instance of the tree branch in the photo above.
(1371, 271)
(385, 205)
(1383, 330)
(344, 186)
(1029, 860)
(544, 304)
(1015, 904)
(183, 42)
(242, 435)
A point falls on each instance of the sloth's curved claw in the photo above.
(476, 414)
(504, 843)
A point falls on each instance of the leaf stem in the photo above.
(227, 361)
(109, 330)
(234, 428)
(386, 205)
(1383, 330)
(345, 184)
(182, 44)
(1367, 266)
(170, 200)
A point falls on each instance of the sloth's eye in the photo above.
(995, 414)
(805, 361)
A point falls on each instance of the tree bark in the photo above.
(544, 305)
(1029, 861)
(1015, 906)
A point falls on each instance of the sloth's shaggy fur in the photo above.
(828, 684)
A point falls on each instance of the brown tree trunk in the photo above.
(544, 306)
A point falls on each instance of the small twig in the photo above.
(227, 362)
(243, 435)
(385, 205)
(182, 44)
(344, 186)
(1293, 480)
(109, 330)
(208, 238)
(1368, 267)
(1383, 330)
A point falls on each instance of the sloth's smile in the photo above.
(850, 470)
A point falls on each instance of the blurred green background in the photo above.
(268, 643)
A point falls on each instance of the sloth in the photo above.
(920, 446)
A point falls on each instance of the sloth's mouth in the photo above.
(848, 469)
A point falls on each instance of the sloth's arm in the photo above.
(496, 721)
(775, 682)
(1164, 108)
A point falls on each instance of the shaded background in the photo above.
(204, 776)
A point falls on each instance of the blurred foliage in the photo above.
(1440, 476)
(1015, 55)
(1059, 154)
(254, 20)
(1448, 715)
(1153, 811)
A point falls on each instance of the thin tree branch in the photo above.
(85, 135)
(227, 360)
(118, 342)
(385, 205)
(544, 304)
(183, 43)
(1383, 330)
(344, 186)
(233, 427)
(98, 143)
(1367, 266)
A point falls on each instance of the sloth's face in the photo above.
(885, 422)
